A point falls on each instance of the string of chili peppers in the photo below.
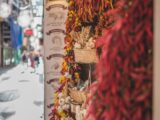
(125, 70)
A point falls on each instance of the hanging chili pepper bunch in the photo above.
(88, 13)
(73, 22)
(88, 9)
(108, 16)
(124, 72)
(104, 20)
(92, 12)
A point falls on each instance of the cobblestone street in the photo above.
(21, 93)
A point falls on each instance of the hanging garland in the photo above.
(124, 72)
(69, 71)
(81, 12)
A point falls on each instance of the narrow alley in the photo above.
(21, 94)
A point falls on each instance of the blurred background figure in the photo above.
(24, 58)
(36, 60)
(32, 61)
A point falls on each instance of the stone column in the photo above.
(55, 14)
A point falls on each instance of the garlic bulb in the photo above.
(68, 75)
(77, 45)
(67, 99)
(90, 44)
(65, 107)
(60, 95)
(60, 109)
(61, 102)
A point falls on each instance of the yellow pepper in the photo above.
(71, 3)
(62, 114)
(55, 95)
(63, 79)
(76, 75)
(56, 102)
(65, 66)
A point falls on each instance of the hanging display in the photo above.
(84, 46)
(82, 29)
(124, 90)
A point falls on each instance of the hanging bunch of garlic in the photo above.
(64, 103)
(84, 35)
(79, 111)
(91, 43)
(83, 38)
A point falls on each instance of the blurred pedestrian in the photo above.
(24, 59)
(32, 61)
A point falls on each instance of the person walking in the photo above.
(24, 60)
(32, 61)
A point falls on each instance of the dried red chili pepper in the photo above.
(124, 72)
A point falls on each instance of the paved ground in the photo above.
(21, 94)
